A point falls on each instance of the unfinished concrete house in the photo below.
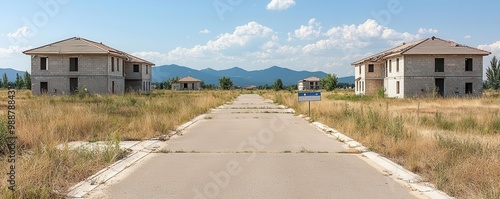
(431, 66)
(76, 63)
(187, 83)
(310, 83)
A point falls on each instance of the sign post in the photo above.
(308, 97)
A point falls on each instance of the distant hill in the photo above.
(239, 76)
(11, 73)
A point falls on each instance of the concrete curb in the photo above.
(139, 151)
(395, 170)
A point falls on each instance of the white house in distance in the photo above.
(421, 68)
(310, 83)
(65, 66)
(187, 83)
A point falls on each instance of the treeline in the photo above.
(21, 82)
(329, 83)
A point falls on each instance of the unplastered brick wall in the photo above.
(378, 72)
(373, 85)
(60, 65)
(454, 65)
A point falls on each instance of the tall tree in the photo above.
(19, 82)
(329, 83)
(225, 83)
(27, 80)
(278, 85)
(5, 80)
(493, 74)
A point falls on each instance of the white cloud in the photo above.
(280, 4)
(248, 37)
(155, 57)
(355, 37)
(494, 48)
(5, 52)
(20, 32)
(241, 37)
(309, 32)
(206, 31)
(427, 31)
(467, 37)
(255, 46)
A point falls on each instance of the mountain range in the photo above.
(11, 73)
(239, 76)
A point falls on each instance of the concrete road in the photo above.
(252, 149)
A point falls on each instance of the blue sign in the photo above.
(309, 96)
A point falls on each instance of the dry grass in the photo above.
(453, 143)
(43, 122)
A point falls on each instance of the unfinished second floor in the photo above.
(422, 66)
(97, 65)
(81, 57)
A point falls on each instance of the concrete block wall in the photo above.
(118, 66)
(94, 84)
(378, 72)
(56, 85)
(453, 86)
(144, 74)
(421, 75)
(424, 65)
(133, 85)
(59, 65)
(119, 85)
(94, 72)
(419, 86)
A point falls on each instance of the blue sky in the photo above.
(324, 35)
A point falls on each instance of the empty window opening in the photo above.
(73, 85)
(43, 63)
(136, 68)
(397, 87)
(397, 65)
(371, 68)
(390, 66)
(468, 64)
(439, 65)
(73, 64)
(44, 87)
(468, 88)
(439, 83)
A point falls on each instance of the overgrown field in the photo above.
(453, 143)
(43, 122)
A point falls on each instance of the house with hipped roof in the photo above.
(76, 64)
(310, 83)
(430, 66)
(187, 83)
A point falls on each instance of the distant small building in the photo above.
(187, 83)
(311, 83)
(251, 87)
